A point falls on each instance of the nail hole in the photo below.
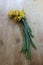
(1, 42)
(18, 40)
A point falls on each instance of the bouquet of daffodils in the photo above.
(19, 17)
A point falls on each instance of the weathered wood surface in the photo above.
(10, 32)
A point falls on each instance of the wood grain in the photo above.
(11, 33)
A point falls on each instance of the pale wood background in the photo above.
(11, 32)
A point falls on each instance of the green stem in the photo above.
(26, 25)
(24, 22)
(27, 40)
(28, 52)
(24, 47)
(29, 33)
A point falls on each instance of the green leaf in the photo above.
(31, 35)
(32, 42)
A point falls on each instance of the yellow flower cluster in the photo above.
(16, 15)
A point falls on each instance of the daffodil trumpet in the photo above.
(19, 17)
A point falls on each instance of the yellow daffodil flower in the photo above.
(15, 19)
(16, 15)
(22, 14)
(16, 12)
(19, 18)
(11, 13)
